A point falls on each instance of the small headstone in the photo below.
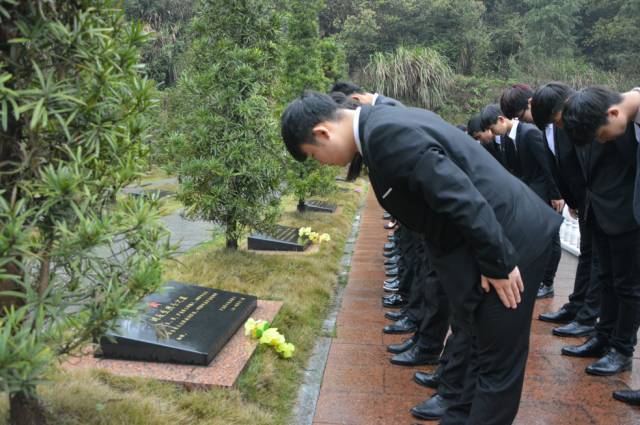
(182, 323)
(283, 238)
(319, 206)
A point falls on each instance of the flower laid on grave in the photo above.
(305, 233)
(260, 330)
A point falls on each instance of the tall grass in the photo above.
(418, 75)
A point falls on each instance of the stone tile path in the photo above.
(360, 386)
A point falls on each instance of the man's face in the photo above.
(615, 127)
(330, 147)
(484, 137)
(500, 127)
(525, 114)
(557, 119)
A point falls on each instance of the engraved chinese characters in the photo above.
(181, 324)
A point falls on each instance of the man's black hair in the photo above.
(547, 101)
(298, 120)
(347, 88)
(489, 115)
(515, 100)
(343, 100)
(586, 110)
(474, 125)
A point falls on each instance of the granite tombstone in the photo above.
(180, 324)
(283, 238)
(319, 206)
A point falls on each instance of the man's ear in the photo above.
(358, 98)
(321, 132)
(613, 112)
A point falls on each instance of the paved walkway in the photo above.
(360, 386)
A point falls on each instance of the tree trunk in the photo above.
(301, 205)
(9, 285)
(25, 409)
(232, 244)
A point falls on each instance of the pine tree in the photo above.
(73, 133)
(223, 126)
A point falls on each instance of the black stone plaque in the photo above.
(181, 324)
(138, 192)
(319, 206)
(283, 238)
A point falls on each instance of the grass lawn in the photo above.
(268, 387)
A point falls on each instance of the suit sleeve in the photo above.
(535, 144)
(448, 191)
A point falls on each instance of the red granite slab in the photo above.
(223, 371)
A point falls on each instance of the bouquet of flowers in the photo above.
(305, 233)
(261, 330)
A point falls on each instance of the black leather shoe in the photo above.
(391, 288)
(433, 408)
(391, 272)
(386, 216)
(394, 315)
(402, 326)
(389, 246)
(628, 396)
(574, 329)
(393, 260)
(390, 254)
(612, 363)
(403, 346)
(429, 380)
(390, 266)
(545, 292)
(416, 356)
(391, 281)
(593, 347)
(391, 238)
(561, 316)
(390, 225)
(394, 301)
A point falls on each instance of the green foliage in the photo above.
(74, 126)
(308, 64)
(418, 75)
(222, 131)
(167, 20)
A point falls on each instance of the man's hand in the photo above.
(508, 289)
(557, 204)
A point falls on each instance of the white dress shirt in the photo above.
(549, 132)
(356, 130)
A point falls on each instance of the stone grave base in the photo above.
(223, 371)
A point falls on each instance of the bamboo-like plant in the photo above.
(418, 75)
(73, 127)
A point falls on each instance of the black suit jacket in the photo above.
(384, 100)
(439, 182)
(566, 170)
(495, 150)
(534, 168)
(609, 171)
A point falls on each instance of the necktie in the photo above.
(510, 155)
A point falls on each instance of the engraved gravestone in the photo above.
(319, 206)
(283, 238)
(180, 324)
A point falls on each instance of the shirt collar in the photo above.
(637, 120)
(549, 133)
(356, 129)
(375, 98)
(514, 130)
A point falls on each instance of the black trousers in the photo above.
(454, 362)
(434, 323)
(554, 260)
(409, 259)
(619, 257)
(499, 339)
(584, 301)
